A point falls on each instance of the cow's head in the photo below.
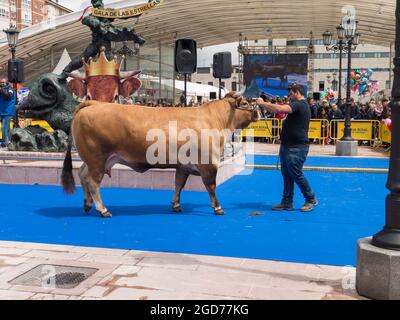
(238, 102)
(105, 88)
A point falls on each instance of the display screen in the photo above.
(272, 74)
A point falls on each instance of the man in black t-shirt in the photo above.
(294, 148)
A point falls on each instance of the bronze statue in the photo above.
(103, 32)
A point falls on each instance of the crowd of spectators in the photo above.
(378, 110)
(372, 110)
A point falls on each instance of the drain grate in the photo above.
(52, 276)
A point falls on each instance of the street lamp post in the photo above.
(334, 82)
(348, 39)
(125, 51)
(12, 37)
(389, 237)
(378, 259)
(340, 47)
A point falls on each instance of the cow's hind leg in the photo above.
(94, 180)
(209, 177)
(181, 177)
(83, 175)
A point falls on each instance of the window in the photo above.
(388, 85)
(298, 43)
(198, 82)
(205, 70)
(355, 55)
(234, 86)
(222, 84)
(322, 86)
(211, 83)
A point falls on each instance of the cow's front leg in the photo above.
(88, 201)
(180, 181)
(94, 181)
(209, 177)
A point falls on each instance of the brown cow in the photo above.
(104, 88)
(106, 134)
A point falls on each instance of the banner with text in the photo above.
(125, 13)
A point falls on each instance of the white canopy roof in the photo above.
(193, 89)
(211, 22)
(64, 61)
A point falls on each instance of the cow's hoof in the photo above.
(219, 212)
(106, 214)
(177, 209)
(86, 208)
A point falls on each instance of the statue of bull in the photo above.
(50, 99)
(104, 88)
(124, 134)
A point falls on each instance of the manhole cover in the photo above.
(51, 276)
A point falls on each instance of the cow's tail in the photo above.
(67, 177)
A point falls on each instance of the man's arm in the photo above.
(8, 94)
(91, 21)
(275, 108)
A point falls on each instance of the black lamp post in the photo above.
(343, 46)
(352, 38)
(12, 38)
(334, 82)
(389, 237)
(125, 51)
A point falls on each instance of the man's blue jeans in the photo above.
(5, 128)
(292, 162)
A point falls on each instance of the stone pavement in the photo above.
(138, 275)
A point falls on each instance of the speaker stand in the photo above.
(220, 91)
(185, 89)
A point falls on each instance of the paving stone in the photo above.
(34, 246)
(143, 294)
(12, 252)
(126, 270)
(54, 255)
(43, 296)
(179, 262)
(12, 261)
(109, 259)
(184, 280)
(111, 252)
(15, 295)
(283, 294)
(96, 292)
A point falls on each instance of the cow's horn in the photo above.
(233, 95)
(128, 74)
(77, 75)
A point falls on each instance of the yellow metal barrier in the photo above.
(266, 128)
(23, 123)
(361, 130)
(385, 134)
(319, 130)
(272, 128)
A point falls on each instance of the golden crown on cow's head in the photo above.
(102, 67)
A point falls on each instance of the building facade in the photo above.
(323, 65)
(24, 13)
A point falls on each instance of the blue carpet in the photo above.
(336, 162)
(351, 207)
